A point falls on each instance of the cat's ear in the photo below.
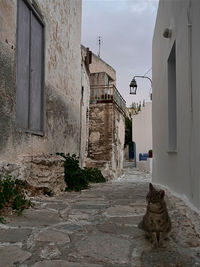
(151, 187)
(162, 193)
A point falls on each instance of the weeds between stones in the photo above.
(12, 196)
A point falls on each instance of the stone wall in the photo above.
(65, 105)
(106, 123)
(44, 173)
(106, 139)
(84, 124)
(100, 78)
(100, 131)
(118, 141)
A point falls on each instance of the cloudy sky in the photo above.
(126, 28)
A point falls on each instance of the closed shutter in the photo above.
(23, 44)
(35, 117)
(30, 46)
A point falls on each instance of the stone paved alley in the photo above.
(98, 228)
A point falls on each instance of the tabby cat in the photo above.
(156, 222)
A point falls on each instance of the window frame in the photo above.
(172, 98)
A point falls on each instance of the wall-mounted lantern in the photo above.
(133, 87)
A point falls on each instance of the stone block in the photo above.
(44, 173)
(11, 255)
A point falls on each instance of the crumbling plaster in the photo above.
(62, 118)
(106, 139)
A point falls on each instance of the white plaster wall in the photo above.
(142, 129)
(179, 170)
(98, 65)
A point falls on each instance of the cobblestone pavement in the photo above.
(98, 228)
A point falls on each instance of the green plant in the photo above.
(2, 220)
(12, 194)
(77, 178)
(74, 175)
(94, 175)
(128, 132)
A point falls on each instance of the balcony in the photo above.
(107, 94)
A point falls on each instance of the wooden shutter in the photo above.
(30, 57)
(36, 97)
(23, 66)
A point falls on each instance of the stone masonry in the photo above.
(106, 139)
(98, 228)
(106, 120)
(42, 172)
(64, 92)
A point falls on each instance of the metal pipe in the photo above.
(134, 145)
(190, 54)
(143, 77)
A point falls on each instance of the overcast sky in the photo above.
(126, 27)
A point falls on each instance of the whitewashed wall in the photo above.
(142, 130)
(180, 169)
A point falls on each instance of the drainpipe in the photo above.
(81, 106)
(190, 53)
(190, 160)
(134, 146)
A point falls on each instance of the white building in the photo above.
(142, 132)
(176, 98)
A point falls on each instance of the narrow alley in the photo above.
(98, 228)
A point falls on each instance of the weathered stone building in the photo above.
(106, 120)
(43, 88)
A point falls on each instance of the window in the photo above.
(172, 116)
(30, 68)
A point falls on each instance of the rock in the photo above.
(61, 263)
(10, 255)
(35, 218)
(14, 235)
(70, 228)
(53, 236)
(166, 257)
(50, 252)
(104, 247)
(40, 171)
(128, 221)
(45, 171)
(123, 211)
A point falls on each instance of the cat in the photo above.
(156, 222)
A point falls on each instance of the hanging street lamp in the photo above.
(133, 85)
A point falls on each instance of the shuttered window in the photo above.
(172, 113)
(30, 69)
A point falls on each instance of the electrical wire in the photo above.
(147, 71)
